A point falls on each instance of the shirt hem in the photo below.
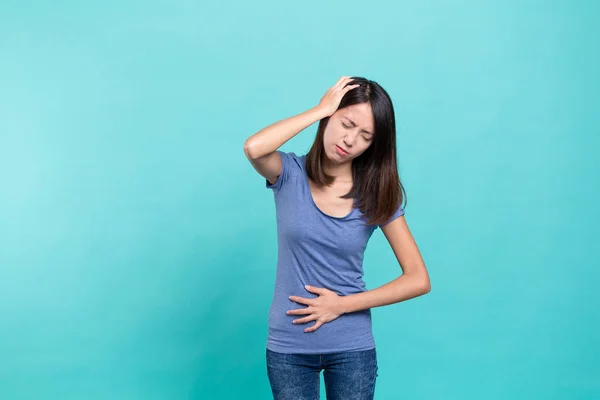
(296, 350)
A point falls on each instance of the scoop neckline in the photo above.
(312, 200)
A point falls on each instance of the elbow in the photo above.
(252, 149)
(425, 282)
(420, 282)
(249, 150)
(424, 285)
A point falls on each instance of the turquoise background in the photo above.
(138, 245)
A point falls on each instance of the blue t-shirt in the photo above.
(320, 250)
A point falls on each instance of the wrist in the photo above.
(344, 306)
(320, 112)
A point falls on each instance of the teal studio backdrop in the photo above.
(138, 246)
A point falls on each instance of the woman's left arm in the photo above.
(413, 282)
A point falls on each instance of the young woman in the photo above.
(328, 204)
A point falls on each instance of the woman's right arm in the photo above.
(261, 147)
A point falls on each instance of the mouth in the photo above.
(341, 151)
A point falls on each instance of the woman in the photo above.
(328, 204)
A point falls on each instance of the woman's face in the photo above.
(349, 132)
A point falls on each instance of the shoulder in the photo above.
(292, 160)
(292, 163)
(292, 167)
(397, 214)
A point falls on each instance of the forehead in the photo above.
(361, 114)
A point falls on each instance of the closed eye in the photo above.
(368, 139)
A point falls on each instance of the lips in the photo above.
(342, 150)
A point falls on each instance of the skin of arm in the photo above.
(413, 282)
(269, 139)
(260, 148)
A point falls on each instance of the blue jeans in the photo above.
(348, 375)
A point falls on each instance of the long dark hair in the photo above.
(376, 188)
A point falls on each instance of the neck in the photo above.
(341, 172)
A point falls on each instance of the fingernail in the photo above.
(306, 286)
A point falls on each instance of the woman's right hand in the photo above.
(332, 98)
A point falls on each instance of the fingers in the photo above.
(314, 327)
(316, 290)
(299, 311)
(342, 82)
(304, 320)
(301, 300)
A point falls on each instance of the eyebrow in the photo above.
(353, 124)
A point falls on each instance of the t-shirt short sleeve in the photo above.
(288, 168)
(398, 213)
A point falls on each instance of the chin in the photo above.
(336, 159)
(328, 157)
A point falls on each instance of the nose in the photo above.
(350, 138)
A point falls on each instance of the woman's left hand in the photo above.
(325, 308)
